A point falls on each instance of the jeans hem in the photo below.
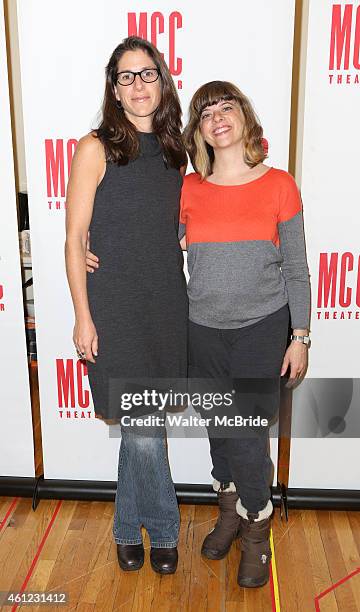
(164, 544)
(127, 541)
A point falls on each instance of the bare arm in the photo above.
(183, 243)
(183, 239)
(87, 169)
(183, 170)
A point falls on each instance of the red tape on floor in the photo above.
(37, 555)
(333, 587)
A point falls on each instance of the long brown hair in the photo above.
(202, 154)
(118, 135)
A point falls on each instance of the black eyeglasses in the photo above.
(127, 77)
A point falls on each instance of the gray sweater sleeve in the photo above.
(295, 270)
(182, 230)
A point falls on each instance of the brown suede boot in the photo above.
(255, 549)
(218, 542)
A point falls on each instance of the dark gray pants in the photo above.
(247, 360)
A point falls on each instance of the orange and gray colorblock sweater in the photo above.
(246, 250)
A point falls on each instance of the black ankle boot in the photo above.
(164, 560)
(130, 556)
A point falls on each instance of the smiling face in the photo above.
(139, 100)
(222, 124)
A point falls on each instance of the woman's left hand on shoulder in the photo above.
(296, 358)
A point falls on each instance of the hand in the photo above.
(296, 357)
(85, 339)
(91, 259)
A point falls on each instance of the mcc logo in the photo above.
(58, 158)
(338, 295)
(162, 31)
(344, 57)
(72, 389)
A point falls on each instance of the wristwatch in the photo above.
(303, 339)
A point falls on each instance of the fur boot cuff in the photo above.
(263, 514)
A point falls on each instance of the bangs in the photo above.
(212, 93)
(201, 154)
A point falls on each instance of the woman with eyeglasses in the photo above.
(248, 272)
(131, 316)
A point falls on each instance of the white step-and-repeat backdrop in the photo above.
(64, 47)
(326, 406)
(16, 447)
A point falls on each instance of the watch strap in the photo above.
(303, 339)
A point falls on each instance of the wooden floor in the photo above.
(67, 547)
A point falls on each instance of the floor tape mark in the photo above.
(333, 587)
(274, 585)
(37, 555)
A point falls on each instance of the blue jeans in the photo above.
(145, 493)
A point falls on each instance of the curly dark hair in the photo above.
(118, 135)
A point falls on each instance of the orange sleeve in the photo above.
(290, 200)
(182, 217)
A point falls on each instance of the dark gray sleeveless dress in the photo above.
(137, 297)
